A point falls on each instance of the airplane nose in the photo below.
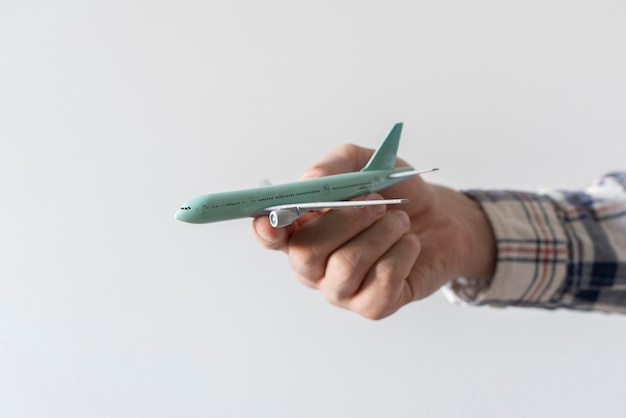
(182, 214)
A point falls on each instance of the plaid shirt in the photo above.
(556, 249)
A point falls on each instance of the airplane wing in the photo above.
(336, 205)
(283, 215)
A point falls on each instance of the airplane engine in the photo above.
(283, 217)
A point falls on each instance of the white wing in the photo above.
(335, 205)
(283, 215)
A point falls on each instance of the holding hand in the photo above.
(373, 260)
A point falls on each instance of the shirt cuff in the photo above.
(532, 252)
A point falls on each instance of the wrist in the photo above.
(481, 242)
(467, 239)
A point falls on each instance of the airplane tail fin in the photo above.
(385, 156)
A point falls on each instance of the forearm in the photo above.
(554, 250)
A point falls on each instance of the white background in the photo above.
(114, 113)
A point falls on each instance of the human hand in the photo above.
(375, 259)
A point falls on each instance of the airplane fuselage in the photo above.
(254, 202)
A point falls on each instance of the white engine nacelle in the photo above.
(283, 217)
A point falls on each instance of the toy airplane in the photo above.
(284, 203)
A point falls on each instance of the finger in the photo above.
(386, 287)
(343, 159)
(306, 282)
(277, 238)
(269, 237)
(311, 245)
(347, 267)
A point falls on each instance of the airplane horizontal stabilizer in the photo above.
(401, 174)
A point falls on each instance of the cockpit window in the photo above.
(185, 208)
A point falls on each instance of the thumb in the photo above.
(343, 159)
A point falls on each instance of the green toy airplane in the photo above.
(284, 203)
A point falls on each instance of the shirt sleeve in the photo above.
(555, 249)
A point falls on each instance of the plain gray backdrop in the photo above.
(114, 113)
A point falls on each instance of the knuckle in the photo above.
(342, 277)
(374, 312)
(394, 225)
(342, 265)
(375, 306)
(306, 262)
(333, 297)
(386, 271)
(307, 282)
